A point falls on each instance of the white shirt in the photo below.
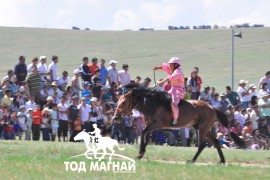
(245, 98)
(261, 91)
(63, 107)
(113, 74)
(53, 67)
(30, 104)
(61, 81)
(240, 118)
(85, 112)
(42, 68)
(160, 88)
(255, 93)
(253, 119)
(215, 103)
(29, 68)
(124, 77)
(59, 92)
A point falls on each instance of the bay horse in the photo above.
(156, 107)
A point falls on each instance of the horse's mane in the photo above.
(150, 100)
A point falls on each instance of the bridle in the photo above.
(130, 108)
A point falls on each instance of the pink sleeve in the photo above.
(166, 68)
(177, 75)
(262, 79)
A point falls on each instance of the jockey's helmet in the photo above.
(176, 60)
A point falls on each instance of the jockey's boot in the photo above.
(175, 111)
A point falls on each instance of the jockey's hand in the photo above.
(156, 68)
(159, 83)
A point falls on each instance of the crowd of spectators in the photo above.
(35, 101)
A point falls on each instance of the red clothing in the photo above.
(167, 87)
(37, 117)
(199, 82)
(92, 69)
(9, 129)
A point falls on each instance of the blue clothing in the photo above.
(20, 70)
(86, 93)
(103, 74)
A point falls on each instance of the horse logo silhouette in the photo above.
(94, 142)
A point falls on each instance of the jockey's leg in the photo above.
(175, 108)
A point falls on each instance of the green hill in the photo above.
(208, 49)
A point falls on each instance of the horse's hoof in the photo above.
(221, 163)
(139, 157)
(190, 162)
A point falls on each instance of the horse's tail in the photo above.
(117, 144)
(224, 121)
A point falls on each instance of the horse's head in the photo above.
(81, 136)
(125, 105)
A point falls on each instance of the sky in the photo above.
(131, 14)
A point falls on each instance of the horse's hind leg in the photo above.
(201, 146)
(215, 142)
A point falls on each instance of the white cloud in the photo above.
(125, 19)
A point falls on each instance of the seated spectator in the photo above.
(54, 88)
(6, 87)
(223, 102)
(247, 129)
(237, 129)
(230, 115)
(25, 88)
(215, 101)
(254, 117)
(253, 91)
(223, 142)
(264, 89)
(64, 79)
(10, 131)
(262, 140)
(6, 100)
(264, 104)
(138, 79)
(254, 101)
(205, 95)
(253, 144)
(147, 81)
(10, 77)
(232, 96)
(239, 116)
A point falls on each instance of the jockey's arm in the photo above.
(163, 81)
(157, 67)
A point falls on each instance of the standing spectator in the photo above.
(224, 103)
(75, 82)
(53, 69)
(97, 84)
(192, 81)
(29, 122)
(6, 87)
(147, 81)
(112, 72)
(6, 100)
(25, 88)
(205, 95)
(264, 89)
(103, 72)
(34, 63)
(243, 93)
(265, 79)
(86, 92)
(199, 80)
(93, 66)
(54, 121)
(63, 119)
(20, 70)
(45, 124)
(86, 72)
(37, 117)
(77, 128)
(84, 110)
(94, 112)
(232, 96)
(33, 80)
(21, 115)
(73, 113)
(43, 70)
(124, 76)
(10, 77)
(63, 80)
(31, 103)
(264, 104)
(44, 94)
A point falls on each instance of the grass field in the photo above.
(208, 49)
(45, 160)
